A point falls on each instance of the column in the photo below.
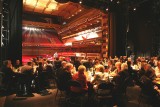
(105, 31)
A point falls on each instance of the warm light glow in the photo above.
(134, 9)
(48, 10)
(24, 1)
(52, 6)
(54, 1)
(68, 44)
(107, 9)
(80, 2)
(41, 4)
(32, 28)
(31, 2)
(78, 38)
(86, 36)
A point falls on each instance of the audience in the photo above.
(142, 72)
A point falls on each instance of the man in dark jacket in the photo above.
(8, 75)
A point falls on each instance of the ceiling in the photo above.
(66, 18)
(51, 7)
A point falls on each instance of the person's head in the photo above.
(63, 63)
(29, 63)
(143, 64)
(124, 66)
(81, 69)
(69, 67)
(7, 63)
(48, 61)
(110, 63)
(101, 68)
(118, 65)
(97, 62)
(17, 62)
(129, 59)
(147, 67)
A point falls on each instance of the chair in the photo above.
(147, 93)
(144, 100)
(59, 88)
(76, 95)
(125, 84)
(104, 92)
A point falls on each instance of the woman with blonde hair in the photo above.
(81, 78)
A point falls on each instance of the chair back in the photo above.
(125, 84)
(74, 84)
(59, 85)
(105, 86)
(104, 89)
(76, 87)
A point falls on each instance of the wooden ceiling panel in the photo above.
(39, 10)
(51, 7)
(48, 11)
(76, 16)
(29, 8)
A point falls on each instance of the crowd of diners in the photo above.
(89, 73)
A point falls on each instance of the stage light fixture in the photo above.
(80, 2)
(134, 8)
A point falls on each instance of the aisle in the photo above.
(36, 101)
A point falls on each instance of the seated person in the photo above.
(17, 64)
(8, 75)
(117, 70)
(157, 70)
(58, 71)
(65, 76)
(99, 76)
(81, 78)
(40, 76)
(119, 79)
(27, 71)
(110, 67)
(150, 90)
(149, 72)
(120, 84)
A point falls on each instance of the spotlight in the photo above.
(107, 9)
(134, 8)
(80, 2)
